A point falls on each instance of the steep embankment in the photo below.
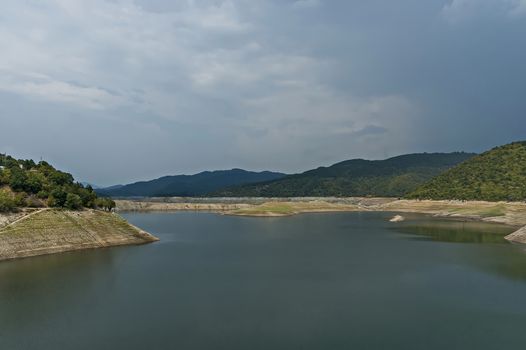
(496, 175)
(51, 231)
(393, 177)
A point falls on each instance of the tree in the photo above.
(110, 204)
(105, 204)
(34, 182)
(73, 201)
(60, 178)
(29, 184)
(58, 197)
(18, 180)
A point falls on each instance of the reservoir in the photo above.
(311, 281)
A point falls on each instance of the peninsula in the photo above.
(43, 211)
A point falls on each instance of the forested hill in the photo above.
(393, 177)
(24, 183)
(190, 185)
(499, 174)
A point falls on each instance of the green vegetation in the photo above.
(189, 185)
(393, 177)
(485, 212)
(7, 203)
(24, 183)
(267, 209)
(496, 175)
(105, 204)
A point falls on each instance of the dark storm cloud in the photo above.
(115, 91)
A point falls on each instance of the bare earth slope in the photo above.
(518, 236)
(53, 231)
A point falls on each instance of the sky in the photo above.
(116, 91)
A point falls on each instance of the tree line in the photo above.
(25, 183)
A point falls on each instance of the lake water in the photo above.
(313, 281)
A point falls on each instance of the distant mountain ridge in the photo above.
(189, 185)
(393, 177)
(496, 175)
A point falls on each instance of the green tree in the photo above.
(58, 197)
(35, 182)
(60, 178)
(88, 197)
(73, 201)
(18, 180)
(105, 204)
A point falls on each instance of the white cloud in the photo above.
(236, 79)
(114, 45)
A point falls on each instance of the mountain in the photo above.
(498, 174)
(114, 187)
(393, 177)
(190, 185)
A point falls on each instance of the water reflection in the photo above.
(454, 231)
(495, 255)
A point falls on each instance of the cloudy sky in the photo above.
(121, 90)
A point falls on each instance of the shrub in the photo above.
(6, 202)
(59, 197)
(20, 199)
(34, 202)
(73, 201)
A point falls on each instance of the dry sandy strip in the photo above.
(513, 214)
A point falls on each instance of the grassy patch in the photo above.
(484, 212)
(267, 209)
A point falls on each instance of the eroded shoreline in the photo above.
(51, 231)
(507, 213)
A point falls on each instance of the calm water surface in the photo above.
(316, 281)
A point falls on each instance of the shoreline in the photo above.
(507, 213)
(52, 231)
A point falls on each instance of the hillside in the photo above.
(44, 211)
(49, 231)
(24, 183)
(496, 175)
(393, 177)
(189, 185)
